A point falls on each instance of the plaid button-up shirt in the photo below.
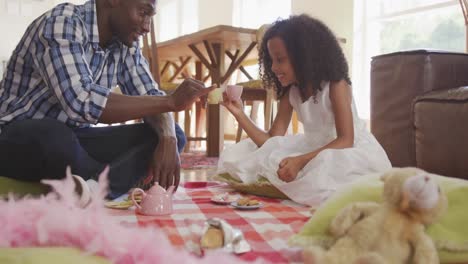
(58, 70)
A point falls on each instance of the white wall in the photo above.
(337, 14)
(215, 12)
(15, 17)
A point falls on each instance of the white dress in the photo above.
(329, 170)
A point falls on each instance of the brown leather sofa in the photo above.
(419, 109)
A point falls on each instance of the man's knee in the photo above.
(181, 139)
(36, 129)
(49, 142)
(53, 136)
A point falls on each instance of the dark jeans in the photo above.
(32, 150)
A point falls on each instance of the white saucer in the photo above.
(224, 202)
(224, 198)
(246, 207)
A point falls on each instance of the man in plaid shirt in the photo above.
(58, 83)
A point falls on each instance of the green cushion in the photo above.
(449, 232)
(261, 188)
(21, 188)
(47, 256)
(253, 84)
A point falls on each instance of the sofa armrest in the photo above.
(441, 129)
(396, 79)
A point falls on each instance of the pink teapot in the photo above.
(156, 201)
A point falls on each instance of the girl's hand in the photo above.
(290, 167)
(234, 106)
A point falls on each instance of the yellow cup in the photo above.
(215, 96)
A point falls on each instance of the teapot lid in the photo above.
(156, 189)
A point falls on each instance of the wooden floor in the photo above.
(197, 175)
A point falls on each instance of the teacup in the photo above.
(215, 96)
(234, 92)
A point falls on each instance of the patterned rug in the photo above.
(197, 160)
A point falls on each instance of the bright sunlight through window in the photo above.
(385, 26)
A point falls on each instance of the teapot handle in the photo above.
(133, 196)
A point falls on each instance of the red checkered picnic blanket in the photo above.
(267, 229)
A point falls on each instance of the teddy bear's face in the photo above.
(422, 192)
(414, 193)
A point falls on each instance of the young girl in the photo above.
(302, 59)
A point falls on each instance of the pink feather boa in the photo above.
(49, 221)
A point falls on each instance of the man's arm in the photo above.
(166, 162)
(163, 124)
(120, 108)
(135, 79)
(64, 69)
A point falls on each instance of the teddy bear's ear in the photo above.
(384, 176)
(399, 172)
(405, 202)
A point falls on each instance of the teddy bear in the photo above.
(392, 232)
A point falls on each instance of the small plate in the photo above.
(118, 205)
(246, 207)
(219, 201)
(223, 198)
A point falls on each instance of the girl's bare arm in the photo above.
(340, 97)
(279, 127)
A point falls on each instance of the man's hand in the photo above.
(290, 167)
(166, 162)
(187, 93)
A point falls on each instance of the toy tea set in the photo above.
(156, 201)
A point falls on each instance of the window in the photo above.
(189, 22)
(167, 15)
(3, 68)
(177, 17)
(254, 13)
(246, 13)
(385, 26)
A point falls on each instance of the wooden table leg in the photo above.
(215, 64)
(200, 121)
(215, 130)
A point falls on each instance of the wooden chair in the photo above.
(150, 52)
(253, 94)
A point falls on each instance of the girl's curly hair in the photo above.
(313, 50)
